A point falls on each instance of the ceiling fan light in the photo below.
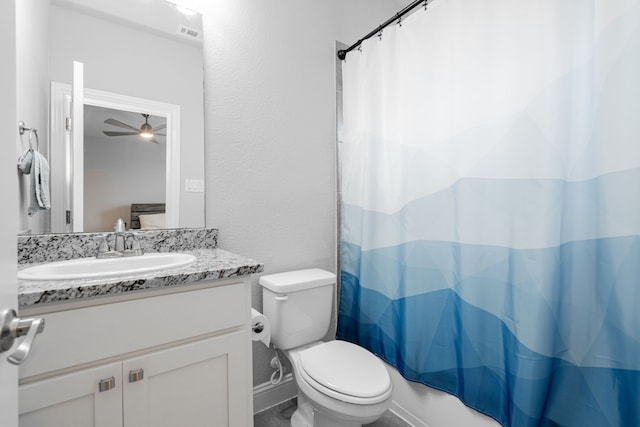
(146, 131)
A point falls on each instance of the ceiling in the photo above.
(158, 16)
(94, 124)
(402, 3)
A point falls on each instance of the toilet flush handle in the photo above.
(281, 297)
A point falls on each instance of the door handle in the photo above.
(12, 327)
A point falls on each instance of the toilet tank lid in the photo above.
(292, 281)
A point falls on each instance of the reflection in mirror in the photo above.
(139, 48)
(117, 156)
(67, 172)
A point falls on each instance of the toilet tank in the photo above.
(298, 306)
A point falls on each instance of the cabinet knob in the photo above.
(136, 375)
(107, 384)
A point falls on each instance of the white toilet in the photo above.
(339, 383)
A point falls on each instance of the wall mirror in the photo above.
(141, 57)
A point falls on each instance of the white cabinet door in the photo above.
(73, 400)
(203, 383)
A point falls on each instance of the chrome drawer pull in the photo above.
(107, 384)
(135, 376)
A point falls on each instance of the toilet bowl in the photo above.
(340, 385)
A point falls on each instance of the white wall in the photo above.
(32, 66)
(128, 61)
(270, 129)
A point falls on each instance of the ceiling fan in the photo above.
(145, 131)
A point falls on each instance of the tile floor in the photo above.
(280, 416)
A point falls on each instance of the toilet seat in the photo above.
(345, 372)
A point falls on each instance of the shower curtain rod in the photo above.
(342, 53)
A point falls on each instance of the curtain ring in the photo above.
(32, 132)
(399, 19)
(425, 4)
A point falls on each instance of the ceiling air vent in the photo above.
(186, 31)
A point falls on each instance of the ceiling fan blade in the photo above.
(154, 140)
(118, 123)
(110, 133)
(159, 127)
(160, 134)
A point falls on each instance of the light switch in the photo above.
(194, 185)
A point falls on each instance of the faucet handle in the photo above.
(104, 250)
(135, 244)
(134, 248)
(103, 246)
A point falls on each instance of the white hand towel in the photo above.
(25, 160)
(41, 180)
(33, 161)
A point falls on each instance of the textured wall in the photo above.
(32, 104)
(270, 129)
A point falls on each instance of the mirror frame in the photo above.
(62, 185)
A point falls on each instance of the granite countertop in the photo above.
(211, 264)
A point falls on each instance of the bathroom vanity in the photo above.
(167, 348)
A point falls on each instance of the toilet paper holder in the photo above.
(258, 327)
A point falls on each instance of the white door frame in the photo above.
(9, 196)
(63, 176)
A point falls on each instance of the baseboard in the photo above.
(267, 395)
(406, 415)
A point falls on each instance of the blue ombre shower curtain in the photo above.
(490, 236)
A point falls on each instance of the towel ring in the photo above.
(22, 127)
(34, 132)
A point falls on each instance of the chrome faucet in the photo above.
(120, 244)
(119, 233)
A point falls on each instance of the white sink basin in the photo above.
(93, 268)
